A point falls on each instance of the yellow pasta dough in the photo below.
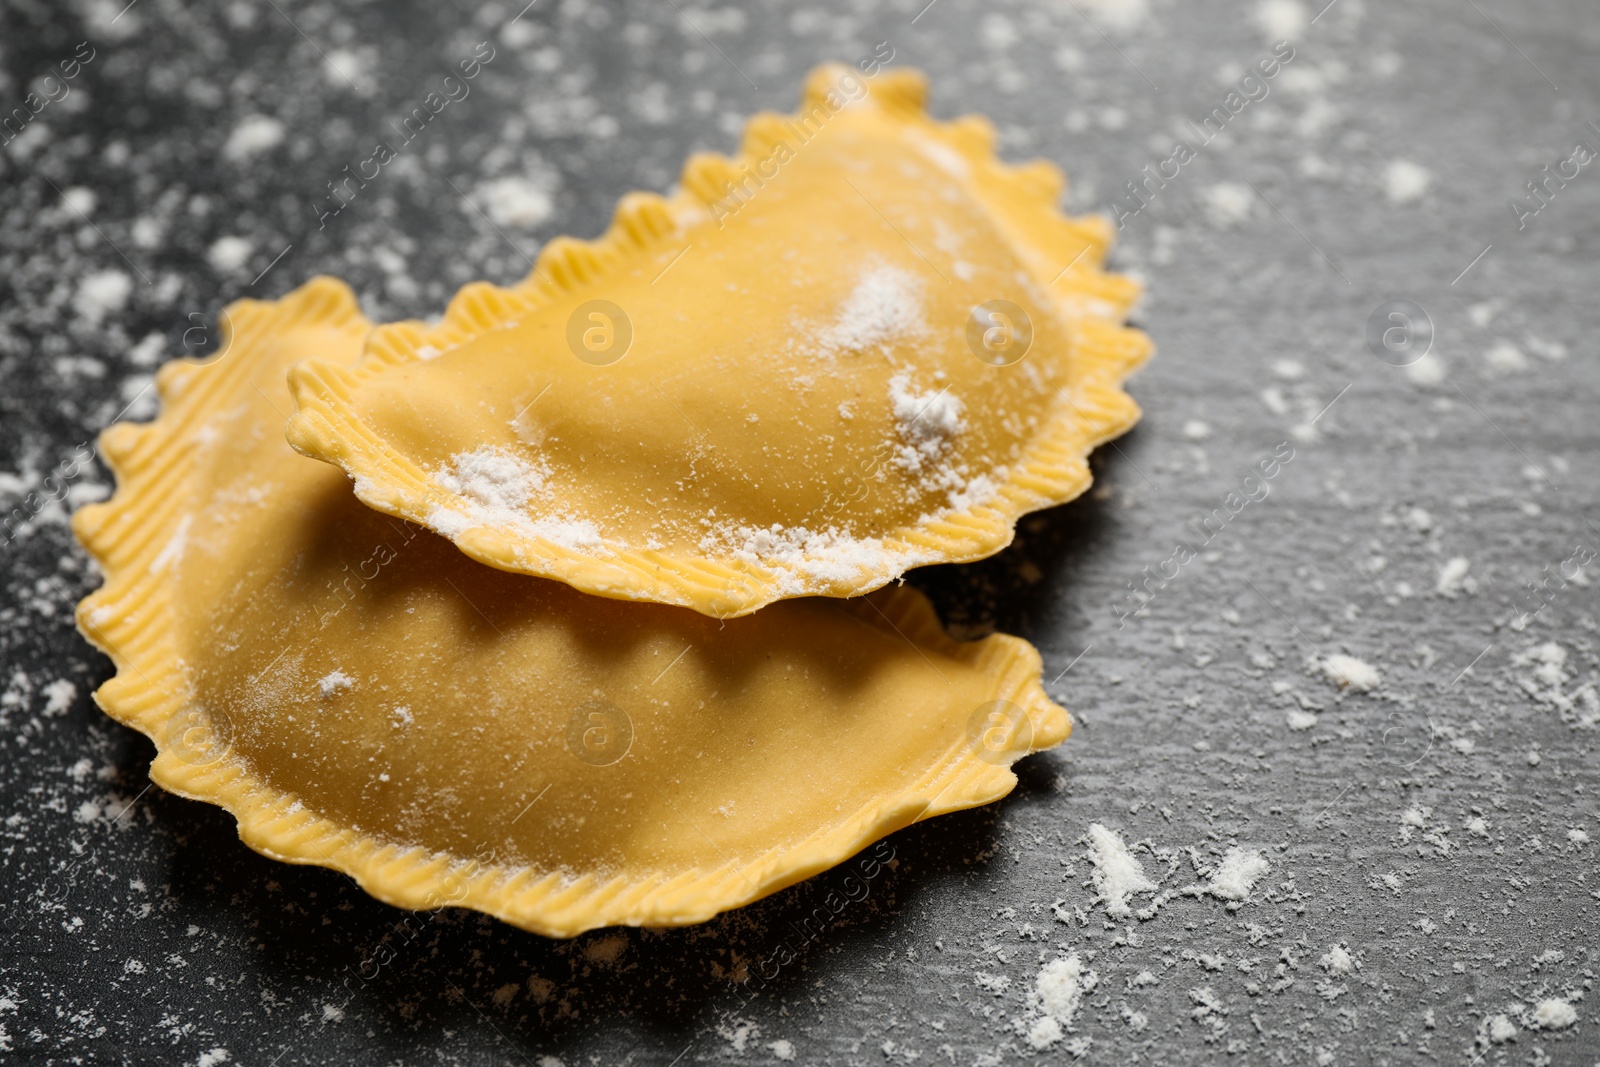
(863, 345)
(361, 695)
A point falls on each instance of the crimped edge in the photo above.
(131, 618)
(1103, 351)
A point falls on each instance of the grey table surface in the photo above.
(1439, 827)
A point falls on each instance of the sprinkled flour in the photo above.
(1405, 182)
(1347, 672)
(58, 697)
(1240, 871)
(516, 201)
(885, 305)
(1545, 681)
(823, 556)
(926, 423)
(927, 420)
(334, 681)
(1554, 1014)
(493, 478)
(1453, 578)
(495, 488)
(229, 253)
(1117, 874)
(1056, 995)
(253, 135)
(102, 293)
(1336, 961)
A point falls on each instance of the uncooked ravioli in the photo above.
(864, 345)
(361, 695)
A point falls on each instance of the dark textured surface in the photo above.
(138, 929)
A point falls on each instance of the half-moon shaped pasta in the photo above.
(864, 345)
(361, 695)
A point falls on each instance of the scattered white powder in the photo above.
(995, 984)
(823, 556)
(1453, 580)
(1044, 1033)
(494, 488)
(1578, 836)
(493, 478)
(1337, 961)
(334, 682)
(1228, 203)
(1546, 681)
(1429, 370)
(148, 231)
(1240, 871)
(885, 305)
(1060, 988)
(781, 1049)
(58, 697)
(138, 392)
(1195, 430)
(102, 293)
(739, 1033)
(173, 550)
(1503, 357)
(1554, 1014)
(947, 158)
(1405, 182)
(1118, 16)
(229, 254)
(1415, 817)
(516, 201)
(214, 1057)
(1300, 720)
(74, 367)
(1117, 874)
(80, 200)
(1477, 826)
(1549, 660)
(1501, 1029)
(565, 531)
(926, 421)
(349, 68)
(1347, 672)
(1057, 993)
(1553, 351)
(1282, 20)
(568, 532)
(148, 352)
(254, 135)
